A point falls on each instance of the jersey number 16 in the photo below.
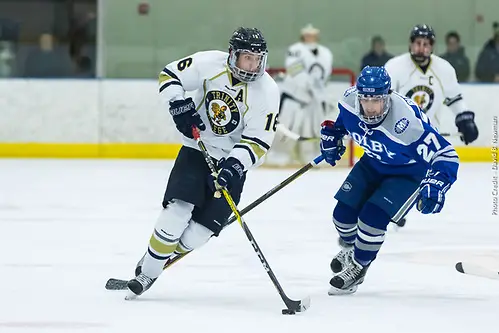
(271, 122)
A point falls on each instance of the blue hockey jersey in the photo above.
(404, 143)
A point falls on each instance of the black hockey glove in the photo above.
(465, 122)
(231, 174)
(185, 116)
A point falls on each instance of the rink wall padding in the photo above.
(466, 154)
(109, 118)
(156, 151)
(85, 150)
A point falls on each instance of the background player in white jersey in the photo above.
(431, 82)
(303, 93)
(405, 161)
(235, 106)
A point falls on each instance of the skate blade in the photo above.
(338, 292)
(131, 296)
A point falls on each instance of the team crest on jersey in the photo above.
(401, 125)
(423, 96)
(222, 112)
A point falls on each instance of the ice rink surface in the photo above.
(66, 226)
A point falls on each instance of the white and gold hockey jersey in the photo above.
(307, 70)
(431, 89)
(240, 117)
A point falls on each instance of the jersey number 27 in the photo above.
(424, 149)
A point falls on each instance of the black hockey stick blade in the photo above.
(116, 284)
(476, 270)
(296, 306)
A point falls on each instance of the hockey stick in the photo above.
(453, 135)
(292, 306)
(476, 270)
(402, 212)
(120, 284)
(292, 135)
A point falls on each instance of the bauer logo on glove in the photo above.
(332, 147)
(185, 116)
(432, 192)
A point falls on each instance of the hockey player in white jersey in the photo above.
(405, 161)
(303, 102)
(235, 107)
(431, 82)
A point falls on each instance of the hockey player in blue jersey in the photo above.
(405, 162)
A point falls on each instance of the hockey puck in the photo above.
(459, 267)
(288, 312)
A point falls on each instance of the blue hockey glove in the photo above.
(230, 175)
(465, 122)
(185, 116)
(332, 147)
(432, 191)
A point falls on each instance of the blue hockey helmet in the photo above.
(373, 94)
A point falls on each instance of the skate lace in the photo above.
(144, 279)
(345, 254)
(351, 274)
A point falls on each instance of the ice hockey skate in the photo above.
(139, 285)
(343, 258)
(349, 279)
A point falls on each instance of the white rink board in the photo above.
(129, 111)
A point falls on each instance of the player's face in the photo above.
(372, 106)
(247, 66)
(421, 47)
(249, 62)
(310, 38)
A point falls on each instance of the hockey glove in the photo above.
(185, 116)
(332, 147)
(230, 175)
(465, 122)
(432, 191)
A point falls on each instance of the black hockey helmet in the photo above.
(423, 30)
(247, 41)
